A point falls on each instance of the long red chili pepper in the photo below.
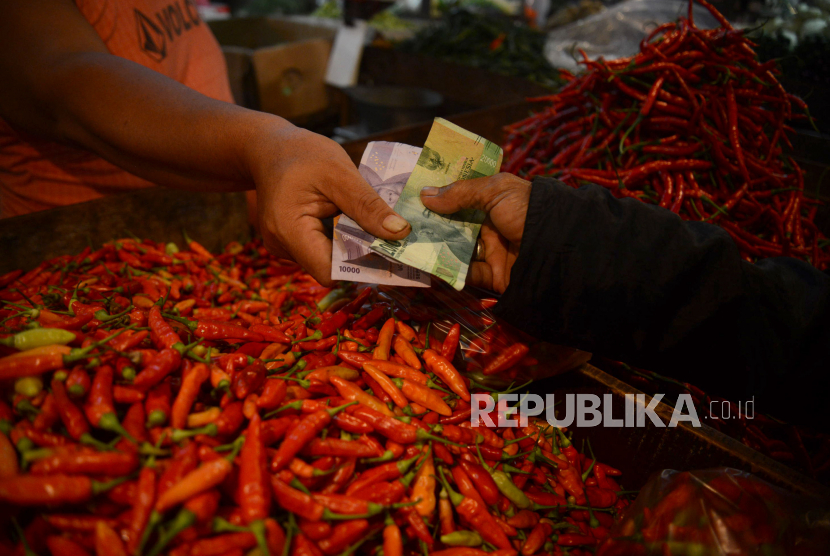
(32, 490)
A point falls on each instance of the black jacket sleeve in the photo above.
(636, 283)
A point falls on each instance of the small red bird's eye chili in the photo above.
(167, 338)
(188, 392)
(441, 366)
(302, 434)
(100, 408)
(450, 345)
(78, 383)
(295, 501)
(506, 359)
(248, 380)
(384, 340)
(203, 478)
(167, 361)
(71, 416)
(477, 516)
(157, 404)
(424, 396)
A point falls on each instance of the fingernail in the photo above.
(430, 191)
(395, 223)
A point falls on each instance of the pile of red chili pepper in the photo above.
(693, 123)
(157, 401)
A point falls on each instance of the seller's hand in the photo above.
(504, 197)
(310, 178)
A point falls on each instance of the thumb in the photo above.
(477, 193)
(357, 199)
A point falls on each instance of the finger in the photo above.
(495, 253)
(479, 193)
(480, 275)
(456, 196)
(356, 198)
(309, 246)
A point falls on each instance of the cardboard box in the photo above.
(277, 65)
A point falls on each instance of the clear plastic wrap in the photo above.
(617, 31)
(719, 512)
(485, 341)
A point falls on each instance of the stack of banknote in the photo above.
(441, 245)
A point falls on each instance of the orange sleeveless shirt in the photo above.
(164, 35)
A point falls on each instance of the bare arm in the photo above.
(60, 82)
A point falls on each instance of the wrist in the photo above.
(263, 146)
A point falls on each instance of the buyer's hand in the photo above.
(504, 197)
(313, 178)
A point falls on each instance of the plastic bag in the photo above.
(617, 31)
(719, 511)
(495, 353)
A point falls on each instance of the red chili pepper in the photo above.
(295, 501)
(8, 458)
(483, 482)
(302, 434)
(335, 447)
(272, 395)
(61, 546)
(314, 530)
(370, 318)
(385, 340)
(450, 344)
(442, 367)
(33, 362)
(85, 460)
(78, 382)
(424, 396)
(145, 496)
(392, 541)
(506, 359)
(134, 423)
(343, 535)
(305, 547)
(71, 416)
(184, 461)
(270, 334)
(33, 490)
(203, 478)
(254, 491)
(167, 338)
(389, 427)
(248, 380)
(100, 408)
(162, 365)
(107, 541)
(48, 415)
(157, 404)
(398, 371)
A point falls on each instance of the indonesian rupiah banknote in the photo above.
(442, 245)
(386, 166)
